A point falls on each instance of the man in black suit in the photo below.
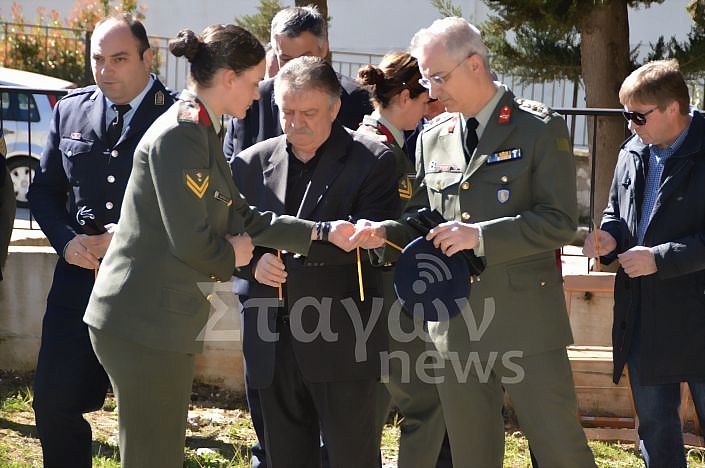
(314, 371)
(295, 32)
(79, 188)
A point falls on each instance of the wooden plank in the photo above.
(601, 433)
(597, 395)
(591, 317)
(594, 282)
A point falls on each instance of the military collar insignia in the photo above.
(385, 131)
(505, 115)
(159, 98)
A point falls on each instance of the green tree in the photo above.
(56, 47)
(447, 8)
(260, 23)
(575, 40)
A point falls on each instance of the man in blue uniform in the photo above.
(75, 195)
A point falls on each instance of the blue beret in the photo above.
(428, 282)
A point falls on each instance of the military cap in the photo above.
(429, 284)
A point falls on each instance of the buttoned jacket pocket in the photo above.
(442, 189)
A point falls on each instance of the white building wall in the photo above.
(370, 26)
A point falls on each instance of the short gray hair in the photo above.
(460, 38)
(293, 21)
(308, 73)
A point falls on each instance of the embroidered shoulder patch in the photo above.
(192, 111)
(196, 181)
(188, 111)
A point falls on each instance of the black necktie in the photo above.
(115, 127)
(471, 137)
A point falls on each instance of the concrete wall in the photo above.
(28, 275)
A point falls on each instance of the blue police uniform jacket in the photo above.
(79, 172)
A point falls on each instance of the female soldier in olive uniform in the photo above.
(175, 236)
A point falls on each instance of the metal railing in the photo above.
(582, 124)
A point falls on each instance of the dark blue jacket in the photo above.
(670, 303)
(78, 169)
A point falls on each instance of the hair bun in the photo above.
(370, 75)
(186, 44)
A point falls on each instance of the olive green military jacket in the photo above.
(519, 186)
(170, 246)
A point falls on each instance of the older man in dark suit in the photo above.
(295, 32)
(315, 369)
(79, 188)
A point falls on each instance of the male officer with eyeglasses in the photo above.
(654, 225)
(501, 170)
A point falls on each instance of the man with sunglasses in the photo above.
(501, 170)
(654, 225)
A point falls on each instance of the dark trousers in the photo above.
(257, 451)
(296, 412)
(657, 408)
(69, 381)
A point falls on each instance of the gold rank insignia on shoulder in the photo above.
(3, 146)
(196, 181)
(505, 155)
(405, 185)
(158, 98)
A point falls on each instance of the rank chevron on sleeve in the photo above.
(198, 188)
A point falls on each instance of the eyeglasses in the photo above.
(439, 80)
(638, 118)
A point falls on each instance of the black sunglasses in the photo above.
(637, 117)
